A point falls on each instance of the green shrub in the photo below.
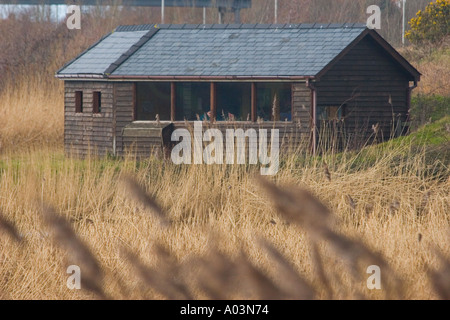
(428, 108)
(432, 24)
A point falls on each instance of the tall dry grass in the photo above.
(31, 113)
(156, 230)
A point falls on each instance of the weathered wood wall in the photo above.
(301, 107)
(113, 130)
(88, 132)
(373, 87)
(124, 101)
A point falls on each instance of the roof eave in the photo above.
(209, 78)
(82, 53)
(79, 76)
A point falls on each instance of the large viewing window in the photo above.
(272, 96)
(192, 100)
(153, 98)
(233, 101)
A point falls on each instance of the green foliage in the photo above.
(432, 24)
(430, 142)
(436, 133)
(428, 108)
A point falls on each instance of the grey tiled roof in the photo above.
(101, 55)
(217, 50)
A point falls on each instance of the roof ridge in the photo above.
(142, 27)
(135, 47)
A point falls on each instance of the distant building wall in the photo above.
(372, 88)
(86, 130)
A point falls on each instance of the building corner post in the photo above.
(313, 89)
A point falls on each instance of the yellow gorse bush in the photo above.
(432, 24)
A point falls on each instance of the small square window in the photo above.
(97, 102)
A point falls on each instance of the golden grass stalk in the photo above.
(326, 171)
(258, 282)
(351, 203)
(162, 279)
(65, 236)
(300, 207)
(218, 275)
(134, 190)
(320, 271)
(293, 284)
(9, 229)
(440, 278)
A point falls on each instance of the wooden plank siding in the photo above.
(135, 141)
(88, 132)
(290, 134)
(373, 88)
(124, 100)
(301, 107)
(144, 138)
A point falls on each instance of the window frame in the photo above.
(173, 100)
(96, 102)
(291, 101)
(139, 109)
(78, 101)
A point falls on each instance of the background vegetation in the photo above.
(432, 24)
